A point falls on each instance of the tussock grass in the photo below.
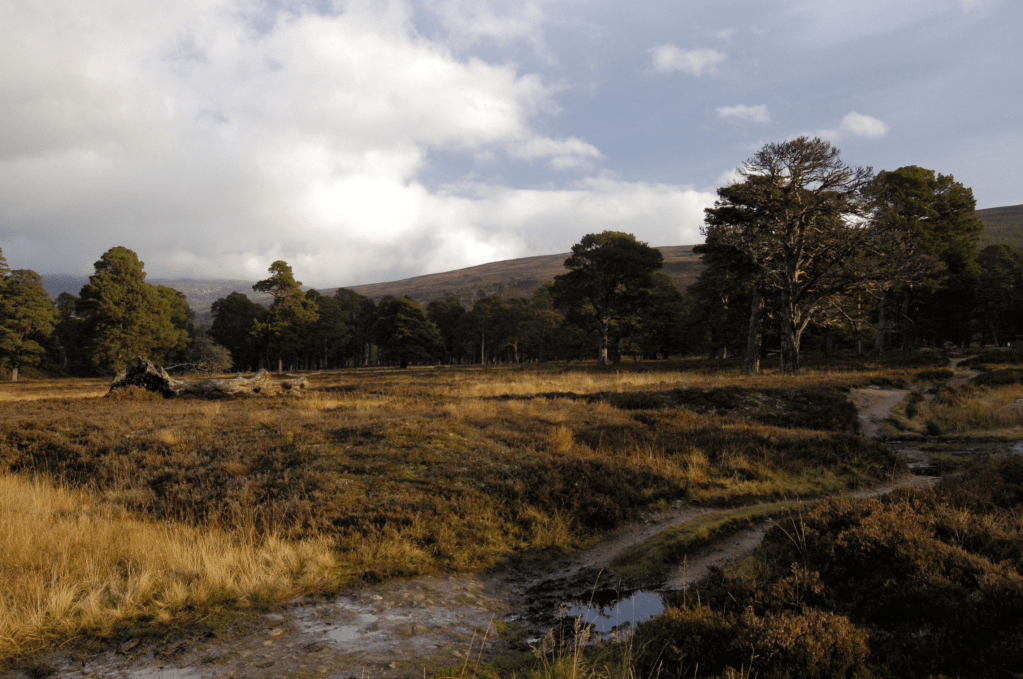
(73, 563)
(966, 410)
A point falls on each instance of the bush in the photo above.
(933, 375)
(999, 378)
(808, 645)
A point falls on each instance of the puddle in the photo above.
(1017, 449)
(607, 616)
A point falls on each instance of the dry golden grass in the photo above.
(982, 411)
(72, 563)
(34, 390)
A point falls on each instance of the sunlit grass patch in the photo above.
(73, 563)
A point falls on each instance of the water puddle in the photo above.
(618, 612)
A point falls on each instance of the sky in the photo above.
(366, 141)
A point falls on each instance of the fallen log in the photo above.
(143, 373)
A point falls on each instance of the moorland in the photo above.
(135, 526)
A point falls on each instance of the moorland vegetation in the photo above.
(447, 440)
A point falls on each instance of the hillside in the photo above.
(511, 278)
(1002, 225)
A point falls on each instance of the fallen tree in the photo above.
(143, 373)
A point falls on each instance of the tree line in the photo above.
(803, 249)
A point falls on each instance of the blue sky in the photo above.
(365, 141)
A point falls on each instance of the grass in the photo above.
(383, 473)
(967, 410)
(34, 390)
(75, 564)
(653, 560)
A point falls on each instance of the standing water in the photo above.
(607, 616)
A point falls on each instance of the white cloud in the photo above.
(743, 113)
(697, 62)
(854, 125)
(860, 125)
(212, 148)
(564, 153)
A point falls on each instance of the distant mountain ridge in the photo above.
(1002, 225)
(509, 278)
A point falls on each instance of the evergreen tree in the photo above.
(123, 316)
(234, 323)
(797, 218)
(290, 318)
(1000, 292)
(930, 231)
(449, 317)
(361, 313)
(331, 333)
(27, 318)
(405, 333)
(69, 350)
(606, 273)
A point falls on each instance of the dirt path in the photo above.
(875, 404)
(408, 627)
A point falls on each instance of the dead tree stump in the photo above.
(143, 373)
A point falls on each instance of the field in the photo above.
(177, 516)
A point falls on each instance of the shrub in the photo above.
(998, 378)
(933, 375)
(807, 645)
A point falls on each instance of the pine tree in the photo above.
(234, 320)
(123, 316)
(605, 273)
(27, 318)
(290, 318)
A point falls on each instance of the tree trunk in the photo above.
(882, 323)
(754, 337)
(909, 332)
(789, 337)
(602, 356)
(483, 351)
(14, 374)
(280, 366)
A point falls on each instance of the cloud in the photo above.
(860, 125)
(564, 153)
(469, 21)
(855, 125)
(696, 62)
(213, 141)
(743, 113)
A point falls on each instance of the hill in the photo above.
(200, 293)
(511, 278)
(1002, 225)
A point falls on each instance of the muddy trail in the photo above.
(419, 626)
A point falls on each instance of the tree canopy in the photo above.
(606, 273)
(124, 316)
(799, 217)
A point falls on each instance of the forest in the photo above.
(804, 253)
